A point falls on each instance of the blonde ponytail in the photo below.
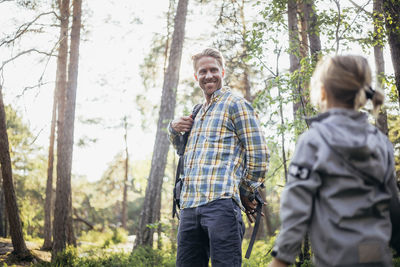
(348, 80)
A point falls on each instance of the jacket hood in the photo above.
(353, 138)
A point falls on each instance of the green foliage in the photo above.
(100, 202)
(119, 235)
(394, 136)
(396, 262)
(261, 253)
(29, 173)
(104, 238)
(69, 257)
(140, 257)
(307, 263)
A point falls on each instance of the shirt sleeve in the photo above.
(297, 201)
(249, 132)
(174, 136)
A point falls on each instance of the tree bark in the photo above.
(149, 213)
(69, 119)
(381, 121)
(6, 224)
(125, 187)
(246, 70)
(312, 29)
(2, 208)
(303, 25)
(392, 19)
(17, 238)
(47, 244)
(294, 52)
(63, 204)
(71, 239)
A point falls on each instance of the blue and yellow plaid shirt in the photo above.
(226, 150)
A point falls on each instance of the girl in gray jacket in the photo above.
(339, 179)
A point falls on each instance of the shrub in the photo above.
(140, 257)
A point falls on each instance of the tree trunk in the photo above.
(153, 190)
(159, 226)
(17, 238)
(267, 214)
(381, 121)
(294, 52)
(61, 206)
(47, 245)
(246, 70)
(71, 239)
(70, 103)
(1, 214)
(299, 103)
(125, 187)
(64, 163)
(392, 18)
(312, 29)
(6, 228)
(303, 33)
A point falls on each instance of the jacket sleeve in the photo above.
(249, 132)
(297, 201)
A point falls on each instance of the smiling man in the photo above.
(225, 160)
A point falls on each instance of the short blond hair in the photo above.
(208, 52)
(347, 79)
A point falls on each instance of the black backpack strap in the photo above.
(260, 203)
(179, 170)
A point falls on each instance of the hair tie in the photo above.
(370, 92)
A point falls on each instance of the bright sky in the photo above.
(112, 48)
(111, 51)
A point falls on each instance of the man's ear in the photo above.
(195, 77)
(323, 93)
(223, 73)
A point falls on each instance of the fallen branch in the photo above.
(78, 218)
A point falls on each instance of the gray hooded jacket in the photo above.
(345, 211)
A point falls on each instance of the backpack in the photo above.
(179, 170)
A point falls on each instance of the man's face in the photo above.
(209, 74)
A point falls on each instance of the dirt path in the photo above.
(6, 248)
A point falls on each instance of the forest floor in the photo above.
(6, 248)
(6, 257)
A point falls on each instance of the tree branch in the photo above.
(26, 88)
(337, 26)
(354, 20)
(24, 28)
(21, 54)
(361, 7)
(78, 218)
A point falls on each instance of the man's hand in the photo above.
(277, 263)
(250, 207)
(182, 124)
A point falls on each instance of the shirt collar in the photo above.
(215, 96)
